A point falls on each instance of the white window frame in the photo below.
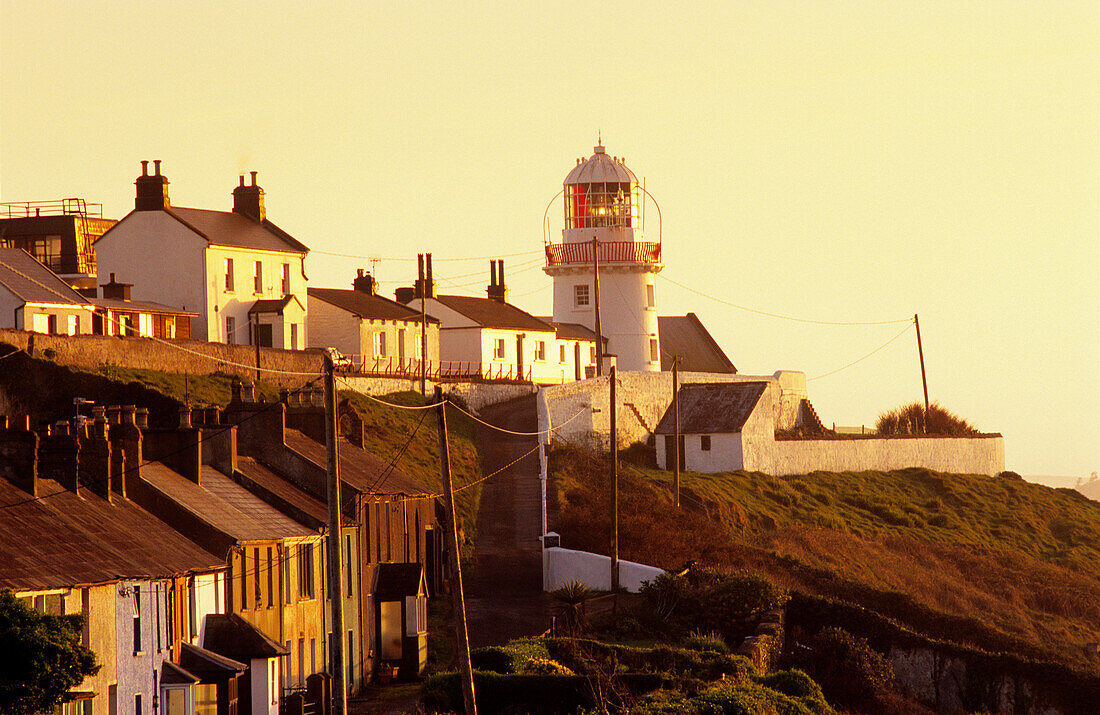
(540, 350)
(229, 281)
(258, 278)
(286, 279)
(498, 348)
(581, 295)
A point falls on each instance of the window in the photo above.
(137, 704)
(286, 279)
(230, 328)
(650, 298)
(145, 325)
(561, 352)
(301, 661)
(349, 560)
(498, 349)
(419, 347)
(349, 656)
(540, 350)
(592, 358)
(274, 684)
(305, 570)
(654, 351)
(74, 325)
(580, 295)
(293, 336)
(401, 343)
(46, 250)
(229, 275)
(137, 621)
(40, 323)
(258, 278)
(51, 324)
(704, 443)
(206, 699)
(270, 580)
(380, 344)
(177, 701)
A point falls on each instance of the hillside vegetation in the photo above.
(989, 562)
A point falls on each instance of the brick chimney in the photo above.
(497, 290)
(364, 283)
(152, 190)
(115, 290)
(425, 282)
(249, 200)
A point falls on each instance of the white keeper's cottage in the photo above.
(244, 276)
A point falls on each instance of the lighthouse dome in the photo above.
(601, 169)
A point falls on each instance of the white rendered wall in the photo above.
(262, 692)
(222, 303)
(330, 326)
(164, 261)
(626, 320)
(560, 566)
(207, 594)
(725, 449)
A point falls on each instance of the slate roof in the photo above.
(205, 663)
(232, 636)
(571, 331)
(713, 408)
(365, 305)
(684, 335)
(172, 674)
(282, 494)
(141, 306)
(225, 228)
(398, 581)
(272, 305)
(64, 540)
(489, 313)
(358, 468)
(32, 282)
(223, 504)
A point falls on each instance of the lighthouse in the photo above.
(604, 268)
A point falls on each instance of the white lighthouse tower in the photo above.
(604, 237)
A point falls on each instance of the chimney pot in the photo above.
(112, 277)
(156, 167)
(242, 180)
(145, 168)
(253, 177)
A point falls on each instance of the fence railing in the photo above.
(559, 254)
(442, 370)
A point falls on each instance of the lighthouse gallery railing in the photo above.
(560, 254)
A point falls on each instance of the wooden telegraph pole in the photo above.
(923, 377)
(458, 599)
(596, 296)
(676, 431)
(335, 573)
(614, 489)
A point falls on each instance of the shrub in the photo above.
(850, 672)
(912, 419)
(569, 606)
(508, 658)
(543, 666)
(728, 604)
(711, 641)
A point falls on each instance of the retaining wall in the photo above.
(560, 566)
(981, 454)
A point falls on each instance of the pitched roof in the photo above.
(226, 228)
(365, 305)
(140, 306)
(172, 674)
(205, 663)
(685, 336)
(64, 540)
(489, 313)
(281, 494)
(713, 408)
(398, 580)
(223, 504)
(230, 635)
(571, 331)
(273, 305)
(32, 282)
(359, 469)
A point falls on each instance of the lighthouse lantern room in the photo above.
(604, 227)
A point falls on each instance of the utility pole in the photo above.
(676, 431)
(596, 292)
(923, 377)
(458, 599)
(256, 339)
(335, 573)
(423, 346)
(614, 489)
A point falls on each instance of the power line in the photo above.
(880, 347)
(780, 316)
(435, 260)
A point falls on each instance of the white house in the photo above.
(32, 297)
(378, 333)
(242, 275)
(493, 338)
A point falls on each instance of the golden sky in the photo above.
(837, 161)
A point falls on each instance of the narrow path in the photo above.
(504, 598)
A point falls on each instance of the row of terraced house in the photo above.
(196, 554)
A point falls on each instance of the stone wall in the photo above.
(765, 646)
(981, 454)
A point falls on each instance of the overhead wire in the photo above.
(854, 362)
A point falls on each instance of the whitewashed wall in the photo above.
(560, 566)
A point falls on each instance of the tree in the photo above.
(40, 657)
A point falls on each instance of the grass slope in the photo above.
(996, 563)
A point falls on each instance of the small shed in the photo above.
(229, 635)
(712, 419)
(401, 595)
(218, 679)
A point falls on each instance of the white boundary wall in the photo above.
(560, 566)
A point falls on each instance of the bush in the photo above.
(912, 419)
(850, 672)
(508, 658)
(535, 694)
(544, 666)
(706, 641)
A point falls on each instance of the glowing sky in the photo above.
(832, 161)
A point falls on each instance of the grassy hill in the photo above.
(990, 562)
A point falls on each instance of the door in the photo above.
(519, 357)
(263, 333)
(670, 446)
(577, 361)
